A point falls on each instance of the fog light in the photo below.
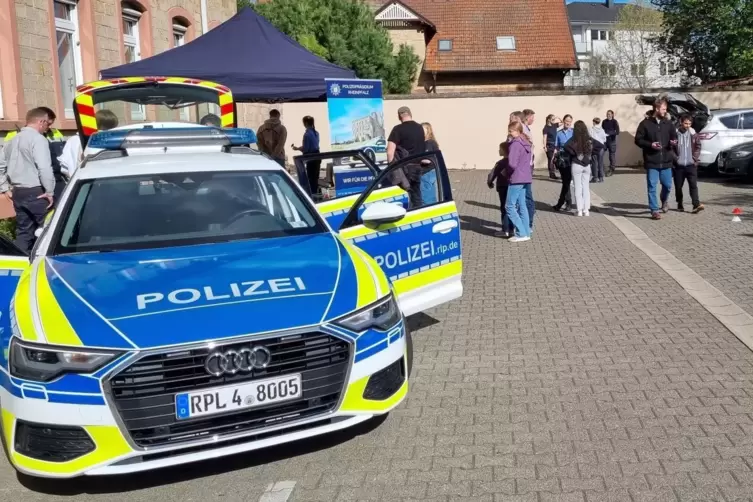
(386, 382)
(51, 443)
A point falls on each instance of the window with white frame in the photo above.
(667, 67)
(506, 43)
(179, 38)
(601, 35)
(638, 70)
(68, 52)
(132, 47)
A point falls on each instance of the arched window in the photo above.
(180, 29)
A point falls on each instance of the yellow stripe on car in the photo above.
(110, 444)
(23, 307)
(377, 272)
(367, 288)
(355, 402)
(227, 119)
(430, 276)
(57, 329)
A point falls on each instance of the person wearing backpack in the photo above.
(271, 137)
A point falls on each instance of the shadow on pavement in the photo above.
(626, 210)
(205, 468)
(539, 206)
(419, 321)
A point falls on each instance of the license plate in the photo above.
(237, 397)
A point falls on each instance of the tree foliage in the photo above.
(345, 33)
(713, 39)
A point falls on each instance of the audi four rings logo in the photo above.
(231, 362)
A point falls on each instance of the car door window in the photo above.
(343, 177)
(730, 121)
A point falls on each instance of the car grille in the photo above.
(144, 393)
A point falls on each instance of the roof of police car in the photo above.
(176, 163)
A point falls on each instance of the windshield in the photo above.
(162, 210)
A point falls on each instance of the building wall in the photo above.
(502, 81)
(29, 74)
(470, 128)
(414, 38)
(589, 50)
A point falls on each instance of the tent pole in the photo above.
(204, 22)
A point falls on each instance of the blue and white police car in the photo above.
(187, 300)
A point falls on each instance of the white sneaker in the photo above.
(585, 213)
(579, 213)
(519, 239)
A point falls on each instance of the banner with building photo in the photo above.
(356, 122)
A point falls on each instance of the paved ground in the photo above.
(573, 368)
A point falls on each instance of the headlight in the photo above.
(43, 362)
(381, 315)
(739, 153)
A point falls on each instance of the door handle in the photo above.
(444, 226)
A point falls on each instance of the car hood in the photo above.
(163, 297)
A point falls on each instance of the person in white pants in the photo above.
(580, 148)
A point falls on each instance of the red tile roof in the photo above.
(541, 29)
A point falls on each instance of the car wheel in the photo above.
(409, 350)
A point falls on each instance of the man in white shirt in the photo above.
(72, 154)
(597, 158)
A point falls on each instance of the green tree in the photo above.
(713, 39)
(344, 32)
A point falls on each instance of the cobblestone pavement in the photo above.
(709, 243)
(573, 368)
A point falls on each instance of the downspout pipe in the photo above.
(204, 22)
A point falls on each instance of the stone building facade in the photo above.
(48, 47)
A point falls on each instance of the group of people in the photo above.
(576, 152)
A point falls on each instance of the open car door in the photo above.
(143, 95)
(417, 244)
(13, 262)
(344, 175)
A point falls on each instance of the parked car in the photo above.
(725, 129)
(737, 161)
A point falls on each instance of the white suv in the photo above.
(725, 129)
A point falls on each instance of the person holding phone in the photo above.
(310, 145)
(657, 137)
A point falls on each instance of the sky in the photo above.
(343, 111)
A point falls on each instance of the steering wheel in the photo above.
(241, 214)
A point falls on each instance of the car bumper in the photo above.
(733, 167)
(36, 430)
(707, 157)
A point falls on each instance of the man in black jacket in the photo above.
(657, 136)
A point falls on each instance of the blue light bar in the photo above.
(173, 136)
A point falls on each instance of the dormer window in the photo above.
(445, 45)
(506, 43)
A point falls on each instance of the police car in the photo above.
(187, 300)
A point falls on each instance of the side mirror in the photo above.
(380, 213)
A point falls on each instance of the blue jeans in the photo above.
(506, 225)
(530, 204)
(653, 177)
(429, 187)
(517, 210)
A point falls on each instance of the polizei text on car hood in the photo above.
(163, 297)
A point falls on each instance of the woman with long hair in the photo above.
(579, 150)
(521, 175)
(429, 192)
(311, 145)
(550, 139)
